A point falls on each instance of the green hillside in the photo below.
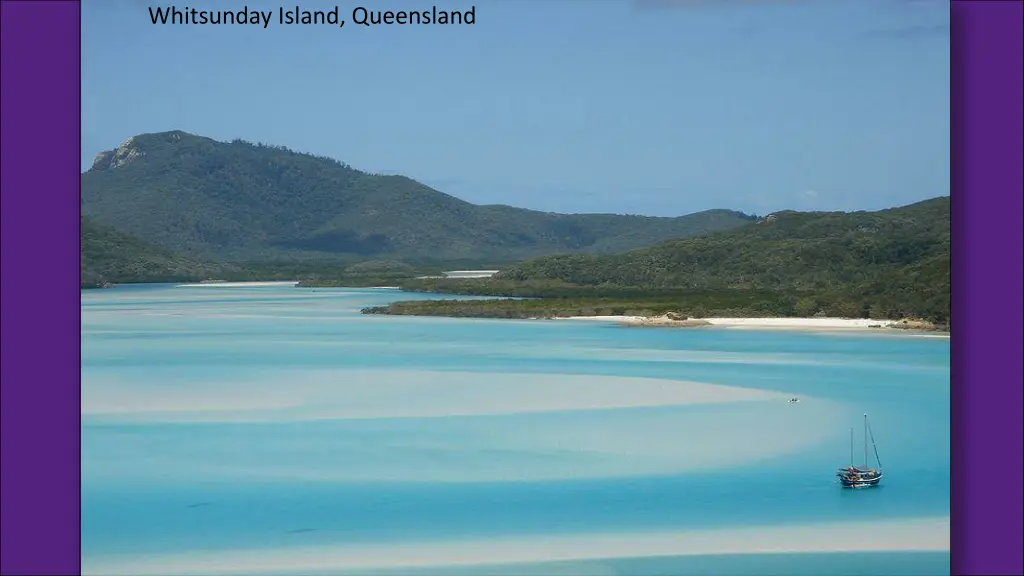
(239, 201)
(888, 264)
(790, 250)
(108, 256)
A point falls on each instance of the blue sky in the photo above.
(661, 107)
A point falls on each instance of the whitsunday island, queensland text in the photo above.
(360, 16)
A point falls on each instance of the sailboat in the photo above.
(861, 476)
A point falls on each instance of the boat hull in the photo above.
(868, 482)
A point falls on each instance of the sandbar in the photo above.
(911, 328)
(358, 394)
(907, 534)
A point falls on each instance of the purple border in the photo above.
(39, 178)
(39, 311)
(987, 190)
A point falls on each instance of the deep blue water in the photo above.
(275, 374)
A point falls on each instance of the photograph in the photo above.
(516, 288)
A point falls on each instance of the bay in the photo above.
(227, 418)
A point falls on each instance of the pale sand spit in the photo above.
(386, 394)
(813, 324)
(910, 534)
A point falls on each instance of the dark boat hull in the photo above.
(860, 482)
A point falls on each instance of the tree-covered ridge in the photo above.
(888, 264)
(108, 256)
(241, 201)
(791, 250)
(367, 273)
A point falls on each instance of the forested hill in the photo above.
(894, 262)
(241, 201)
(108, 256)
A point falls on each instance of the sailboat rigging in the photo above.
(862, 476)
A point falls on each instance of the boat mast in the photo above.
(866, 441)
(851, 447)
(875, 446)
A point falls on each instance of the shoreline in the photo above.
(909, 328)
(930, 534)
(225, 284)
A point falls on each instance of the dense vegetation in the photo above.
(789, 250)
(111, 257)
(108, 256)
(243, 202)
(566, 301)
(887, 264)
(369, 273)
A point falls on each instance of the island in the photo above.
(889, 268)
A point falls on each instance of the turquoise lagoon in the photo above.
(279, 420)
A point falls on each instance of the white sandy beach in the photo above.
(821, 323)
(812, 324)
(910, 534)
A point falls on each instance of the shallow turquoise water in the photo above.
(260, 473)
(844, 563)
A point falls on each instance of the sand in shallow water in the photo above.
(918, 534)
